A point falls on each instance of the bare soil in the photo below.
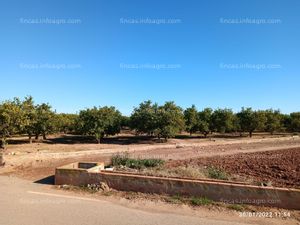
(263, 158)
(268, 158)
(281, 167)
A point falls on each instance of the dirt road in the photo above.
(175, 149)
(40, 159)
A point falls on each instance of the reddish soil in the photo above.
(281, 167)
(260, 159)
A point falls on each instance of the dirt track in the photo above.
(40, 159)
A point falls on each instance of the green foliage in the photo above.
(261, 120)
(43, 124)
(198, 201)
(144, 118)
(170, 120)
(30, 116)
(215, 173)
(65, 123)
(273, 120)
(191, 120)
(236, 124)
(177, 197)
(18, 117)
(119, 160)
(222, 120)
(198, 121)
(294, 122)
(99, 122)
(204, 121)
(163, 121)
(251, 120)
(11, 119)
(286, 122)
(125, 121)
(124, 160)
(37, 119)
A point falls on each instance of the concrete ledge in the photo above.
(221, 191)
(1, 159)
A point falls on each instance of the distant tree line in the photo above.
(24, 117)
(168, 120)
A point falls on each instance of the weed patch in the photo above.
(124, 160)
(215, 173)
(236, 207)
(197, 201)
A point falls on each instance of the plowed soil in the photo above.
(280, 168)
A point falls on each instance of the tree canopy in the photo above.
(162, 121)
(99, 122)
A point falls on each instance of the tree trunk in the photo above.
(44, 137)
(30, 139)
(3, 143)
(1, 159)
(36, 136)
(250, 134)
(99, 140)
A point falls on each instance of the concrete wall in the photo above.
(228, 192)
(1, 159)
(77, 173)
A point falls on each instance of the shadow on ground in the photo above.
(47, 180)
(78, 139)
(69, 139)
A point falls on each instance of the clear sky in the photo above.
(103, 52)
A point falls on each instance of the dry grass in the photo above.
(181, 171)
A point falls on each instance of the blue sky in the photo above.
(225, 53)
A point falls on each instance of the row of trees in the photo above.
(225, 121)
(34, 120)
(20, 117)
(25, 117)
(168, 120)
